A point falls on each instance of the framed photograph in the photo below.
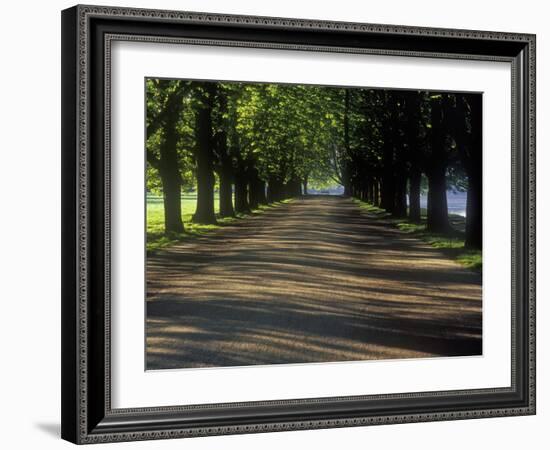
(279, 224)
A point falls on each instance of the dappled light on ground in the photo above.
(314, 280)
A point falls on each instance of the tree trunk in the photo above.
(205, 159)
(253, 194)
(400, 202)
(304, 181)
(347, 189)
(252, 198)
(415, 144)
(274, 190)
(294, 187)
(474, 228)
(241, 192)
(171, 192)
(372, 200)
(400, 160)
(225, 166)
(366, 194)
(376, 193)
(169, 174)
(271, 194)
(289, 189)
(346, 175)
(260, 192)
(438, 218)
(297, 187)
(388, 180)
(414, 196)
(226, 194)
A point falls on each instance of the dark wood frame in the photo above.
(87, 416)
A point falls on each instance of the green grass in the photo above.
(451, 243)
(156, 237)
(371, 209)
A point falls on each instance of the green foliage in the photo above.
(283, 130)
(159, 94)
(300, 130)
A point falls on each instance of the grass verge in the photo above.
(451, 243)
(157, 238)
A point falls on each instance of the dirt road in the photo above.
(310, 281)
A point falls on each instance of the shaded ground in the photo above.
(310, 281)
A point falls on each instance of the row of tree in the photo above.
(392, 139)
(261, 143)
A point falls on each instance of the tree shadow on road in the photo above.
(312, 281)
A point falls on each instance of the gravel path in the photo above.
(310, 281)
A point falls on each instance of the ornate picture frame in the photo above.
(87, 413)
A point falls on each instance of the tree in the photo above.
(268, 142)
(224, 166)
(436, 166)
(204, 213)
(414, 130)
(401, 155)
(468, 134)
(388, 125)
(164, 106)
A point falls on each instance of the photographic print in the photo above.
(298, 199)
(291, 223)
(310, 201)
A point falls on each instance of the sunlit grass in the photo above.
(371, 209)
(451, 243)
(471, 259)
(156, 236)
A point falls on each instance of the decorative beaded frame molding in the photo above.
(87, 416)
